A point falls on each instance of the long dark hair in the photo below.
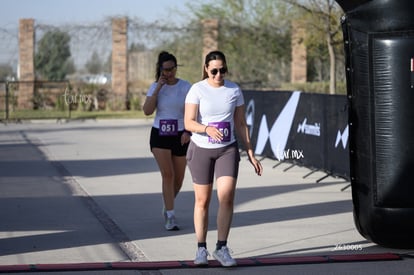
(214, 55)
(163, 57)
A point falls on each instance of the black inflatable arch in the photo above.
(379, 47)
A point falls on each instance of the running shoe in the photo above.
(171, 224)
(223, 256)
(201, 256)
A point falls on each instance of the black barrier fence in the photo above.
(304, 129)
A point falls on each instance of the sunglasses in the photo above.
(221, 70)
(169, 69)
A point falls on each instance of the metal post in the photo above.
(7, 101)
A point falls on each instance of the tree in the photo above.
(139, 47)
(107, 66)
(94, 65)
(322, 20)
(253, 37)
(6, 72)
(70, 66)
(52, 55)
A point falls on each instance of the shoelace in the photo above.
(204, 252)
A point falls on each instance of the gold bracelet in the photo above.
(205, 129)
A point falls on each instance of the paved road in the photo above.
(83, 192)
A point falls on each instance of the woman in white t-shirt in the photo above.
(169, 140)
(214, 110)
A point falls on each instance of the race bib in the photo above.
(224, 128)
(168, 127)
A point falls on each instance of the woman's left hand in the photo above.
(185, 138)
(257, 165)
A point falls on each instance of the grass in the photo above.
(54, 114)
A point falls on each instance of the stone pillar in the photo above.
(26, 64)
(298, 63)
(119, 63)
(210, 36)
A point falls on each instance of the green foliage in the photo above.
(94, 64)
(70, 66)
(61, 103)
(51, 59)
(255, 35)
(5, 72)
(323, 40)
(137, 47)
(134, 101)
(107, 66)
(187, 47)
(254, 38)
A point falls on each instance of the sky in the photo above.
(82, 11)
(78, 12)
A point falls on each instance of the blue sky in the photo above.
(78, 12)
(81, 11)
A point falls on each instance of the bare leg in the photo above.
(225, 192)
(165, 164)
(179, 164)
(202, 194)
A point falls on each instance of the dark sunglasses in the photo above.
(169, 69)
(221, 70)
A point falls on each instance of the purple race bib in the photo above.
(168, 127)
(224, 128)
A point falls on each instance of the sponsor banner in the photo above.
(337, 136)
(302, 128)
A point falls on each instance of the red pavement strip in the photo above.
(190, 264)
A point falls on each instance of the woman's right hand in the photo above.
(161, 81)
(214, 133)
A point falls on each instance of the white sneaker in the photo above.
(201, 256)
(223, 256)
(171, 225)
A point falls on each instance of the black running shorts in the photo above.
(172, 143)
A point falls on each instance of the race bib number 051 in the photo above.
(168, 127)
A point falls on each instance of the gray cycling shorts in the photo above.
(205, 163)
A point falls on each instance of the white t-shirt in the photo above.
(216, 107)
(170, 102)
